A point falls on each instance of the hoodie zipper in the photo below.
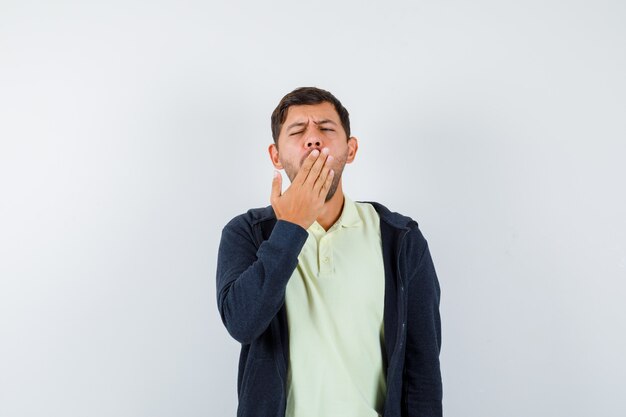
(401, 328)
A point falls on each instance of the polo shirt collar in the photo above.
(349, 215)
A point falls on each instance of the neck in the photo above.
(331, 211)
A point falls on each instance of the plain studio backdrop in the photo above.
(132, 131)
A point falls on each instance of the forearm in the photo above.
(251, 285)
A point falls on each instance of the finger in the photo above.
(277, 183)
(303, 173)
(327, 183)
(321, 180)
(316, 169)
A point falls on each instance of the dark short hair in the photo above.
(304, 96)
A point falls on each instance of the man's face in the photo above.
(309, 127)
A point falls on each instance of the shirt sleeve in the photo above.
(422, 377)
(251, 282)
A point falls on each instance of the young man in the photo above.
(335, 302)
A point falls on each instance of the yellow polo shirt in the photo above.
(334, 302)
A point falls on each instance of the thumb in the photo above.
(277, 184)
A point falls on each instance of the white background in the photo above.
(132, 131)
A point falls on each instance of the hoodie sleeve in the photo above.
(251, 282)
(422, 376)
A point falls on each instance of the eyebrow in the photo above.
(324, 121)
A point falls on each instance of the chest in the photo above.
(340, 272)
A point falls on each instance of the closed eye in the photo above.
(294, 133)
(325, 128)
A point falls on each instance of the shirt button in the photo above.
(325, 260)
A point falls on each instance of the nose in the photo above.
(312, 139)
(313, 142)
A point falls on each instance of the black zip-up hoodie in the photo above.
(257, 256)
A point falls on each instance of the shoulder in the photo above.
(392, 218)
(244, 227)
(414, 241)
(252, 217)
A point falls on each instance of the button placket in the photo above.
(325, 256)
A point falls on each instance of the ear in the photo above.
(273, 150)
(353, 146)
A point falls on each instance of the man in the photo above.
(335, 302)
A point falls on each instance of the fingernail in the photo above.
(330, 158)
(276, 174)
(325, 151)
(315, 152)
